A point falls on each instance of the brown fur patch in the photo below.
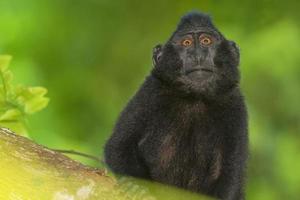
(167, 151)
(200, 107)
(217, 166)
(193, 181)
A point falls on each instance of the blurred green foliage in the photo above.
(92, 55)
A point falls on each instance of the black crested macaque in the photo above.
(187, 124)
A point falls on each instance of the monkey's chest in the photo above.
(184, 154)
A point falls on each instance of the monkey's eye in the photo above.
(187, 42)
(205, 40)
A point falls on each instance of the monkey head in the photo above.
(197, 59)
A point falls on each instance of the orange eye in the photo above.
(187, 42)
(205, 40)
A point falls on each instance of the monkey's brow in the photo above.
(211, 32)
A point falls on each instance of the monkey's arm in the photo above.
(121, 151)
(230, 185)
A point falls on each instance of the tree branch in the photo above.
(31, 171)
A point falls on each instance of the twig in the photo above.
(79, 154)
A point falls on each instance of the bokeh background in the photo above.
(92, 55)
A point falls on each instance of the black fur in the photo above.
(183, 131)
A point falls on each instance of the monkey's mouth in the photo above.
(199, 69)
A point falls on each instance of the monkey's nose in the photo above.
(199, 59)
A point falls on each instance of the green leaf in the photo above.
(33, 98)
(11, 115)
(17, 102)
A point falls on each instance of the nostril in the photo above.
(197, 60)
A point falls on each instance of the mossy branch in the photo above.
(31, 171)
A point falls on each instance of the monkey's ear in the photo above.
(234, 45)
(235, 49)
(156, 54)
(170, 58)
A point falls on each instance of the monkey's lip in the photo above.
(199, 69)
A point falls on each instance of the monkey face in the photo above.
(209, 61)
(197, 49)
(202, 59)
